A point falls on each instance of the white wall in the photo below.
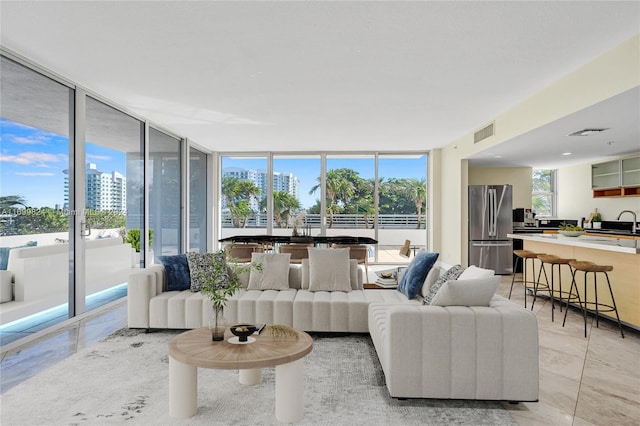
(564, 97)
(575, 197)
(519, 177)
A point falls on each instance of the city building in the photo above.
(105, 191)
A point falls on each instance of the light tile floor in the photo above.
(583, 381)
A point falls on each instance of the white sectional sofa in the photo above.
(460, 352)
(149, 306)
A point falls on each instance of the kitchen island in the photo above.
(623, 254)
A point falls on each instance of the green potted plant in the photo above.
(219, 279)
(133, 238)
(597, 220)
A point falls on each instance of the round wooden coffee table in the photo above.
(194, 349)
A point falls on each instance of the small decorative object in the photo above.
(597, 220)
(216, 324)
(219, 282)
(281, 332)
(243, 331)
(570, 230)
(386, 274)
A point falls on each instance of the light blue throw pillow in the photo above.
(417, 271)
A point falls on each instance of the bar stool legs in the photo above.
(549, 259)
(590, 267)
(524, 255)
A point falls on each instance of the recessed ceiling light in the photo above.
(497, 156)
(587, 132)
(566, 153)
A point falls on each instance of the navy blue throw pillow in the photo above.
(177, 269)
(413, 278)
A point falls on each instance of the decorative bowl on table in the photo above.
(570, 233)
(386, 274)
(243, 331)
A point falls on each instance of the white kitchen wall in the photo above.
(575, 197)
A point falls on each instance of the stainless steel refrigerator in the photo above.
(490, 220)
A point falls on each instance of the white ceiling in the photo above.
(388, 76)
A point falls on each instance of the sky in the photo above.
(32, 162)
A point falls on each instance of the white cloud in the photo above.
(35, 174)
(98, 157)
(37, 138)
(26, 158)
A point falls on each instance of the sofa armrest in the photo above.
(6, 288)
(456, 351)
(143, 285)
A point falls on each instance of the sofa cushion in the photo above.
(4, 253)
(451, 274)
(432, 278)
(353, 274)
(177, 269)
(416, 273)
(207, 264)
(475, 272)
(274, 274)
(329, 269)
(472, 292)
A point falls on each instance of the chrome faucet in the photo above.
(633, 227)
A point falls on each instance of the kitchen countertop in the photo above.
(594, 242)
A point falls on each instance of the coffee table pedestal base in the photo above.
(250, 377)
(290, 391)
(183, 389)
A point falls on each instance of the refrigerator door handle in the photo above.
(492, 212)
(491, 244)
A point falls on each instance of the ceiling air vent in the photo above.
(586, 132)
(483, 133)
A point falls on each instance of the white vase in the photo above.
(597, 225)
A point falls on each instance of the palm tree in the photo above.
(237, 194)
(338, 189)
(417, 191)
(283, 205)
(9, 201)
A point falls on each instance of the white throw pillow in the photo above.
(432, 277)
(353, 274)
(329, 269)
(274, 274)
(473, 292)
(474, 272)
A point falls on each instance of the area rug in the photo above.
(124, 379)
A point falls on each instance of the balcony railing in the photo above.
(341, 221)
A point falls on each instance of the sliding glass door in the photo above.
(114, 201)
(35, 130)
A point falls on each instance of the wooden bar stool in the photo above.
(553, 260)
(524, 255)
(594, 268)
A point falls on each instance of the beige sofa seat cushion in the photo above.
(261, 306)
(331, 311)
(179, 309)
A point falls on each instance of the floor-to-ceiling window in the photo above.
(402, 202)
(164, 193)
(114, 201)
(296, 194)
(382, 196)
(34, 161)
(243, 188)
(199, 187)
